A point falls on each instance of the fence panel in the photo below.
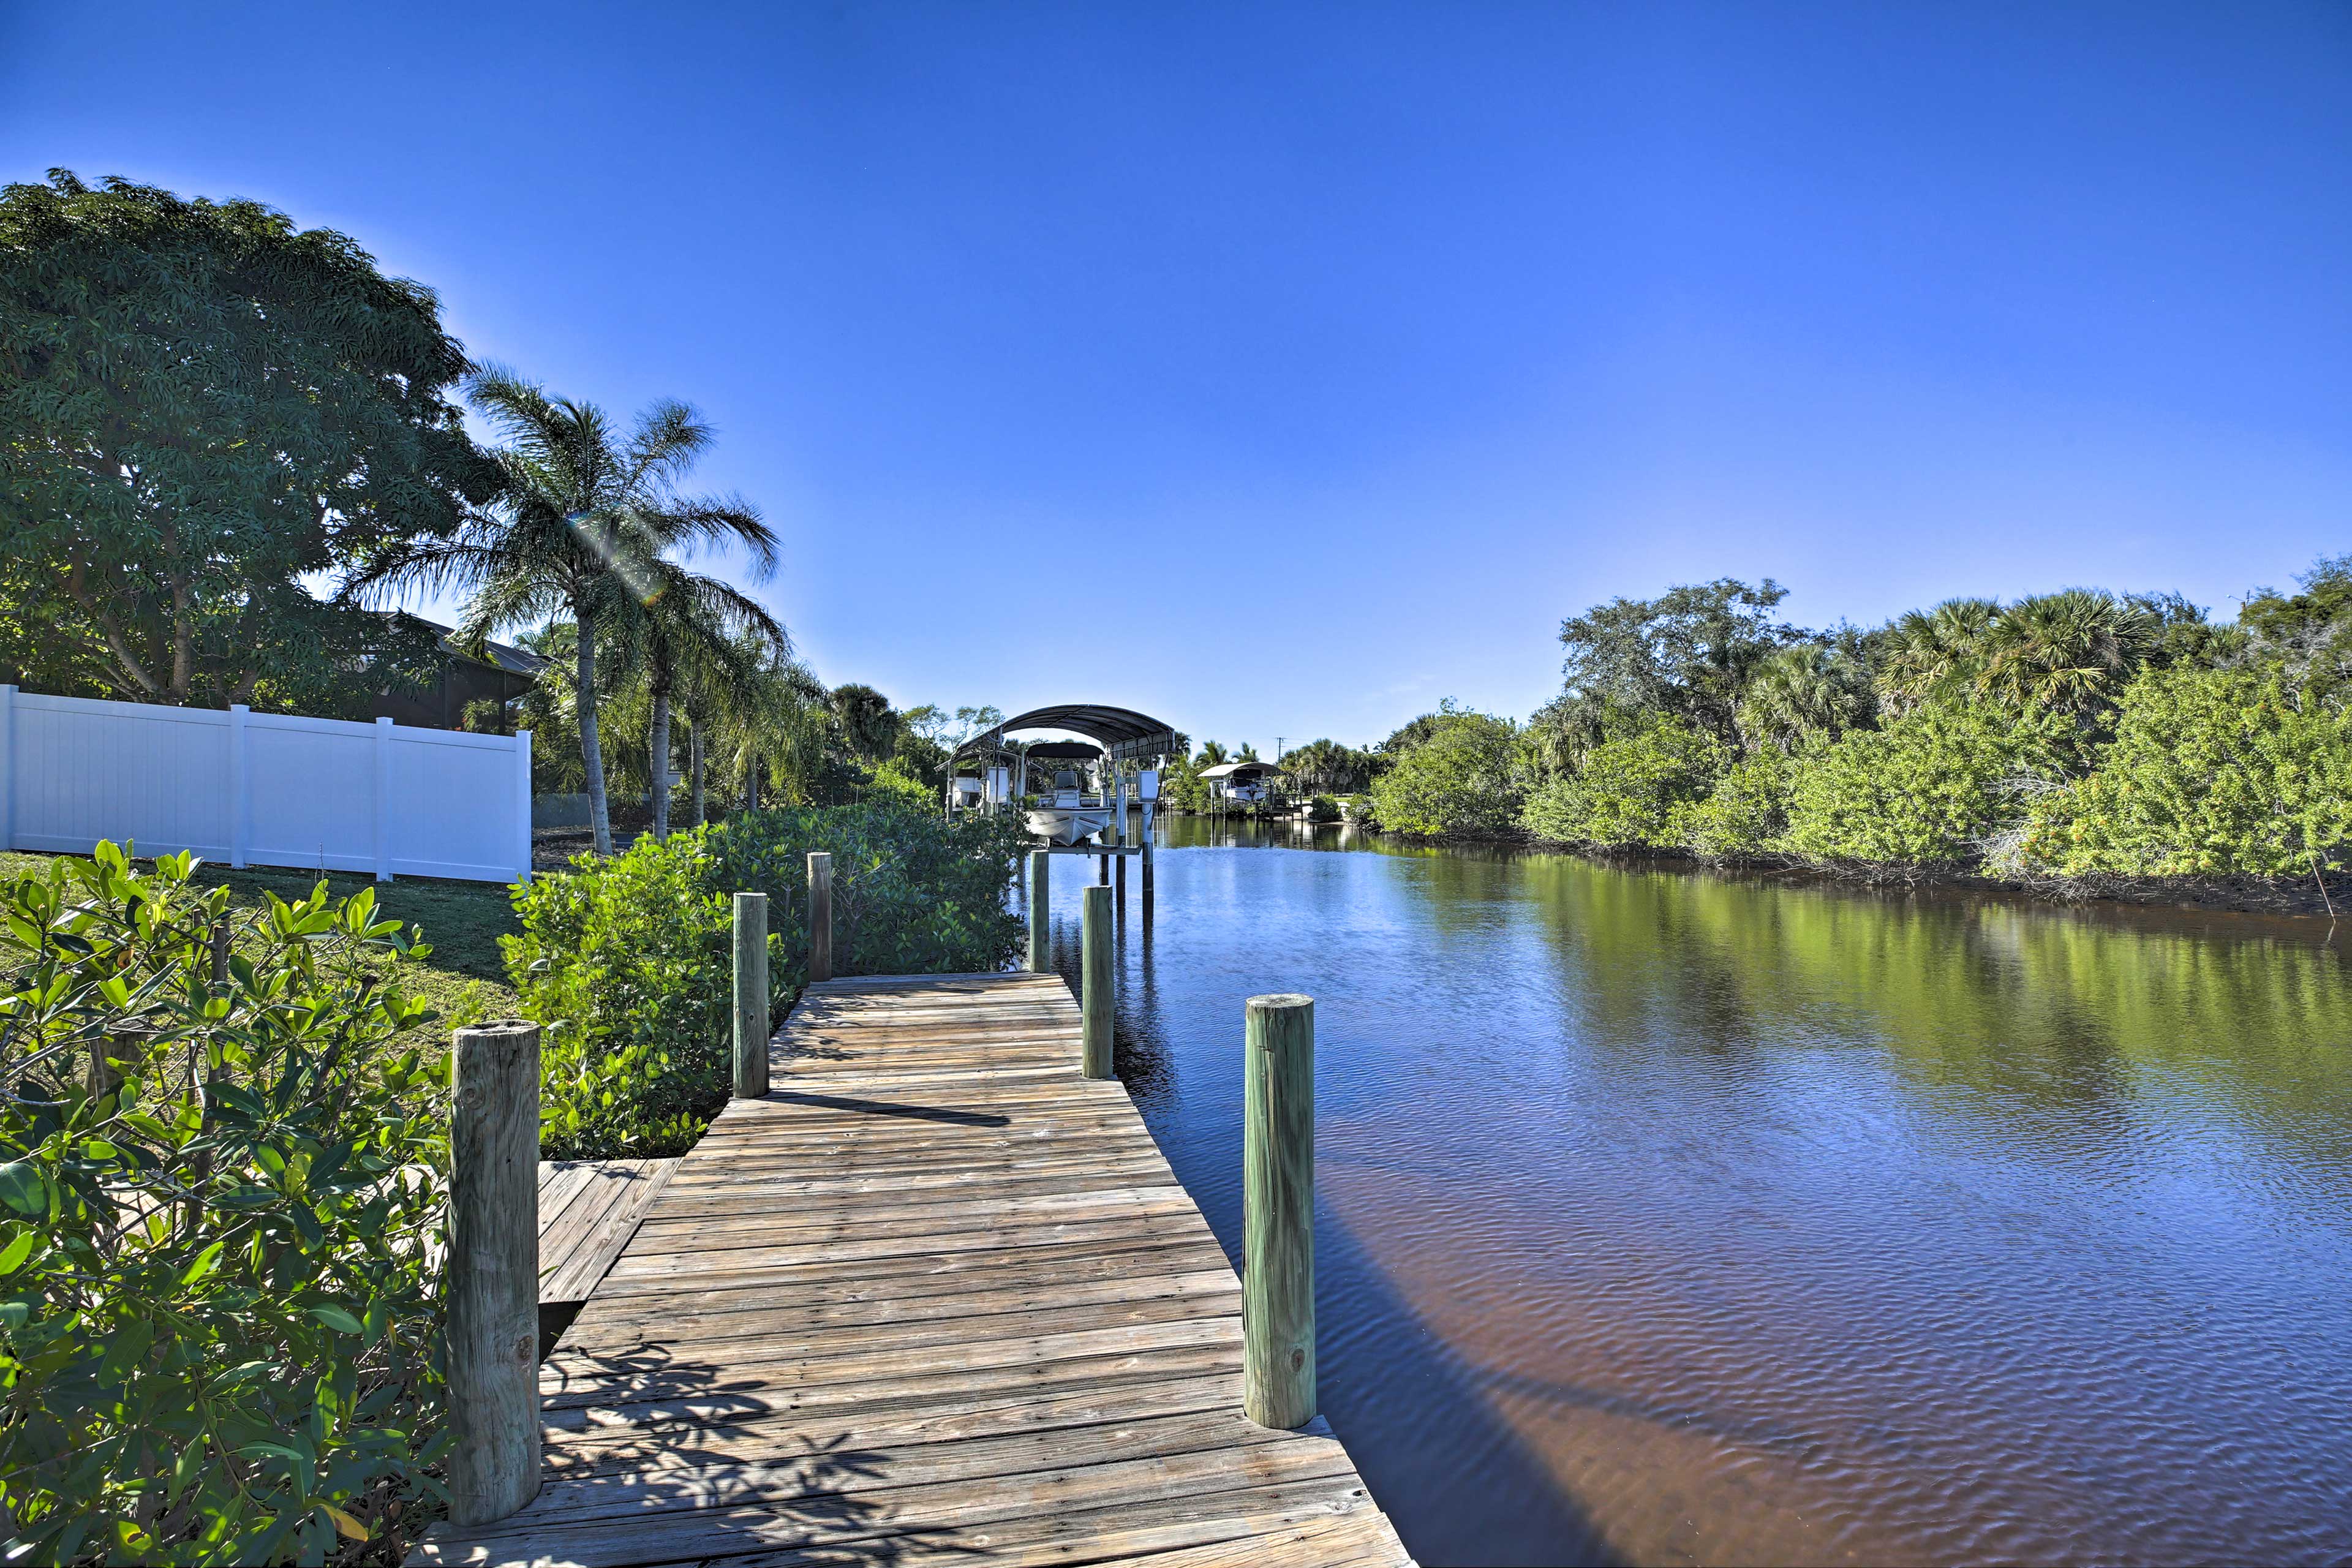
(265, 789)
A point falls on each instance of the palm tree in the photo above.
(1212, 753)
(780, 722)
(869, 727)
(1938, 654)
(1799, 693)
(699, 633)
(584, 517)
(2071, 652)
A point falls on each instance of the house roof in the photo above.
(502, 656)
(1124, 733)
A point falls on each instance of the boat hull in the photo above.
(1068, 824)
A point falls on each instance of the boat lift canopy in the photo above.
(1241, 772)
(1124, 734)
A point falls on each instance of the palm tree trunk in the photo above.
(592, 753)
(694, 766)
(659, 766)
(752, 787)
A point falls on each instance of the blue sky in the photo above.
(1283, 368)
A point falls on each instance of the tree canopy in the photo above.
(1688, 651)
(202, 406)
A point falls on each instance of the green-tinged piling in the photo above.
(1041, 911)
(1278, 1212)
(1094, 992)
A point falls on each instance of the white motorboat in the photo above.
(1072, 816)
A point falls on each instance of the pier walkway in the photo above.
(936, 1299)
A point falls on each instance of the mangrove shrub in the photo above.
(217, 1185)
(1462, 777)
(2211, 770)
(627, 960)
(1929, 788)
(1635, 790)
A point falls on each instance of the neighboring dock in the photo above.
(936, 1297)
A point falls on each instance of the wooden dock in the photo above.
(936, 1297)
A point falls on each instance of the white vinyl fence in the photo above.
(264, 789)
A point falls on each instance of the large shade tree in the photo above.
(203, 410)
(584, 517)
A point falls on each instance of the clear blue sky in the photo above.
(1281, 369)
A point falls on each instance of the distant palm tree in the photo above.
(777, 725)
(1801, 693)
(1938, 654)
(1212, 753)
(1248, 753)
(580, 527)
(868, 726)
(693, 634)
(2071, 652)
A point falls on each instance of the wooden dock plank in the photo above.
(588, 1209)
(936, 1297)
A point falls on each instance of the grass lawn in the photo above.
(463, 979)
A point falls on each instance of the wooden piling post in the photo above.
(1041, 910)
(751, 996)
(1146, 864)
(1278, 1212)
(820, 874)
(1121, 874)
(493, 1272)
(1094, 991)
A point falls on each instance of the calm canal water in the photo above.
(1668, 1217)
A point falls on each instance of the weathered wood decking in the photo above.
(937, 1297)
(588, 1210)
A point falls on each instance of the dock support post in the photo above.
(820, 874)
(1094, 992)
(1041, 883)
(1121, 874)
(1278, 1212)
(493, 1278)
(751, 996)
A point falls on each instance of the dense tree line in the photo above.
(2078, 733)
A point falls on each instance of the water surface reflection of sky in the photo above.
(1668, 1216)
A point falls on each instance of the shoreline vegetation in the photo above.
(2076, 745)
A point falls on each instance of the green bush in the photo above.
(1323, 808)
(1929, 788)
(1633, 791)
(2210, 771)
(628, 960)
(1747, 811)
(1463, 778)
(890, 780)
(217, 1343)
